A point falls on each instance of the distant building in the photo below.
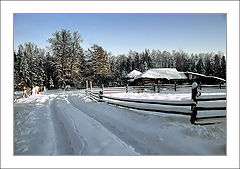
(133, 74)
(130, 76)
(204, 79)
(158, 75)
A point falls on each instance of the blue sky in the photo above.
(119, 33)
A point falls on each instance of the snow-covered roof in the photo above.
(202, 75)
(183, 75)
(197, 74)
(133, 73)
(217, 78)
(160, 73)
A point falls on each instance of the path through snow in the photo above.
(68, 123)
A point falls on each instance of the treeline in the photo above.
(66, 63)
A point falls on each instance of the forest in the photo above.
(65, 62)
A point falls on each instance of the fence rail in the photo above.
(183, 111)
(194, 112)
(147, 101)
(212, 98)
(197, 118)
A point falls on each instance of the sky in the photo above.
(120, 33)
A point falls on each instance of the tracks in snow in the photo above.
(78, 133)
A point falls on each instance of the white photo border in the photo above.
(8, 8)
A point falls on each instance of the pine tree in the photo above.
(77, 60)
(68, 52)
(17, 78)
(137, 61)
(31, 54)
(24, 72)
(49, 69)
(199, 66)
(216, 66)
(208, 65)
(223, 68)
(98, 65)
(194, 59)
(51, 84)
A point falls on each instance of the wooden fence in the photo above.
(147, 105)
(197, 118)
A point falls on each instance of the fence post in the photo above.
(90, 86)
(194, 91)
(24, 92)
(102, 88)
(90, 83)
(28, 91)
(175, 86)
(193, 115)
(101, 93)
(15, 96)
(193, 108)
(86, 87)
(127, 88)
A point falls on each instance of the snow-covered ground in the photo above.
(69, 123)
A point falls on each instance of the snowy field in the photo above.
(69, 123)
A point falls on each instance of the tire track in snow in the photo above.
(143, 133)
(81, 139)
(84, 134)
(98, 124)
(62, 141)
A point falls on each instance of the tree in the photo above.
(17, 63)
(208, 66)
(137, 61)
(98, 65)
(51, 85)
(49, 69)
(216, 66)
(199, 66)
(194, 59)
(24, 74)
(223, 68)
(68, 52)
(181, 60)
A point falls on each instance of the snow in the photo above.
(198, 74)
(217, 78)
(183, 75)
(133, 74)
(194, 85)
(59, 122)
(160, 73)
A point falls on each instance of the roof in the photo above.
(183, 75)
(202, 75)
(218, 78)
(133, 73)
(160, 73)
(197, 74)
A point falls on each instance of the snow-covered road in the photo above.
(68, 123)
